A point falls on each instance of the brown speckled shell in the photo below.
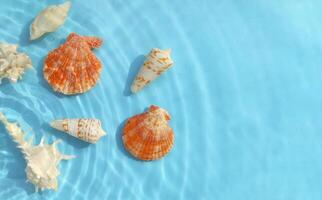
(72, 68)
(148, 136)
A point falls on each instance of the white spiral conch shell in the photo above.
(88, 130)
(42, 160)
(157, 62)
(49, 20)
(12, 63)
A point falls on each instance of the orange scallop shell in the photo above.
(147, 136)
(72, 68)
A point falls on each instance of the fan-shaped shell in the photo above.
(147, 136)
(72, 68)
(88, 130)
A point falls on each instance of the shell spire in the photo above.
(72, 68)
(42, 160)
(147, 136)
(16, 134)
(88, 130)
(157, 62)
(49, 20)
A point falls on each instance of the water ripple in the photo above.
(246, 75)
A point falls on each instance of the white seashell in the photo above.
(49, 20)
(155, 64)
(12, 63)
(88, 130)
(42, 160)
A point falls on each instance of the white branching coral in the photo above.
(12, 63)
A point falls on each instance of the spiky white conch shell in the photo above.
(42, 160)
(49, 20)
(12, 63)
(157, 62)
(88, 130)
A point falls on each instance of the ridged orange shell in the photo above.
(72, 68)
(147, 136)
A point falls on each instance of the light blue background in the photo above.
(244, 95)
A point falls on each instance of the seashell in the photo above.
(147, 136)
(12, 63)
(72, 68)
(42, 160)
(49, 20)
(157, 62)
(88, 130)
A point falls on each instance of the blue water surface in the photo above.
(244, 94)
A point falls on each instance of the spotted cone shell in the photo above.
(72, 68)
(157, 62)
(148, 136)
(88, 130)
